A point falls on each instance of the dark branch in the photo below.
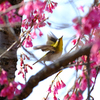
(51, 69)
(13, 2)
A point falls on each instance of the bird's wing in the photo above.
(45, 48)
(50, 45)
(51, 39)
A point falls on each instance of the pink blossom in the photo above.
(62, 84)
(73, 96)
(30, 67)
(33, 34)
(84, 58)
(10, 90)
(92, 64)
(25, 70)
(66, 96)
(19, 72)
(49, 89)
(58, 85)
(87, 28)
(76, 84)
(51, 6)
(23, 75)
(28, 9)
(93, 73)
(49, 23)
(3, 92)
(83, 84)
(21, 11)
(12, 17)
(40, 33)
(22, 85)
(80, 67)
(74, 41)
(29, 6)
(81, 8)
(55, 98)
(95, 48)
(28, 42)
(17, 91)
(55, 91)
(34, 12)
(3, 78)
(79, 97)
(77, 27)
(75, 20)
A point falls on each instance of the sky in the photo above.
(63, 14)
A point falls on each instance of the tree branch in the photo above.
(52, 69)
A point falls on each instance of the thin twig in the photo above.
(31, 54)
(11, 24)
(68, 43)
(11, 46)
(12, 7)
(94, 81)
(8, 48)
(74, 45)
(52, 83)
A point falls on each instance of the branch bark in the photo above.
(13, 2)
(52, 69)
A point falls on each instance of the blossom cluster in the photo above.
(12, 16)
(89, 22)
(34, 12)
(10, 88)
(23, 67)
(59, 84)
(88, 32)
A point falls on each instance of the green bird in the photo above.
(54, 46)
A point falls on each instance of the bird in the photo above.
(54, 46)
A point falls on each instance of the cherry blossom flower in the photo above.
(83, 84)
(55, 98)
(93, 73)
(3, 78)
(51, 6)
(40, 33)
(73, 96)
(62, 84)
(55, 91)
(49, 89)
(81, 8)
(76, 84)
(12, 17)
(9, 86)
(28, 42)
(74, 41)
(33, 34)
(66, 96)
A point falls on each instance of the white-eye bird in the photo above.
(54, 46)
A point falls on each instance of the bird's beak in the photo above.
(61, 37)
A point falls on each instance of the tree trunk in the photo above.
(8, 60)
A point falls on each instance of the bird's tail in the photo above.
(38, 61)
